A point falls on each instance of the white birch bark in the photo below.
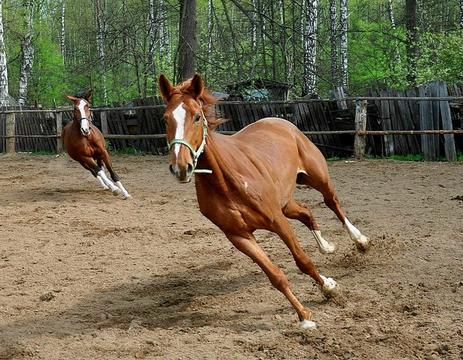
(27, 54)
(4, 96)
(210, 25)
(164, 48)
(334, 42)
(152, 39)
(344, 48)
(254, 24)
(390, 11)
(310, 47)
(63, 29)
(100, 46)
(461, 14)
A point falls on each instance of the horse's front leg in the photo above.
(97, 171)
(247, 245)
(114, 176)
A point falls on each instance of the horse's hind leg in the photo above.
(325, 186)
(301, 212)
(283, 228)
(114, 176)
(97, 171)
(247, 244)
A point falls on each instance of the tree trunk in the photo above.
(310, 47)
(152, 38)
(461, 14)
(100, 46)
(63, 29)
(27, 54)
(412, 38)
(334, 43)
(344, 60)
(4, 96)
(186, 63)
(396, 60)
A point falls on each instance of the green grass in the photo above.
(409, 157)
(460, 157)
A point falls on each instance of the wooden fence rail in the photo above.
(321, 119)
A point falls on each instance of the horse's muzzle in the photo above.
(183, 174)
(85, 132)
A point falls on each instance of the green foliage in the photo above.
(441, 57)
(47, 86)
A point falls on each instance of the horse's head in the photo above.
(82, 111)
(186, 124)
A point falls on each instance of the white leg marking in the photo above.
(114, 189)
(330, 287)
(179, 116)
(125, 194)
(307, 324)
(324, 246)
(360, 240)
(299, 171)
(102, 182)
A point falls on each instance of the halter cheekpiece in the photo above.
(195, 154)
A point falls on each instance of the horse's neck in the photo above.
(220, 162)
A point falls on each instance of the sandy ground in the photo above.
(85, 275)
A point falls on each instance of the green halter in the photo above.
(195, 154)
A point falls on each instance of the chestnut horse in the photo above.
(245, 182)
(85, 143)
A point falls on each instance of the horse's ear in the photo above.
(165, 87)
(87, 95)
(197, 86)
(71, 98)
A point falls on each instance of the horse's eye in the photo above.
(197, 118)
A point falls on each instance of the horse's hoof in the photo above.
(363, 243)
(307, 325)
(328, 249)
(330, 288)
(126, 197)
(116, 191)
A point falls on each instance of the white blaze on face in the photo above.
(84, 124)
(179, 115)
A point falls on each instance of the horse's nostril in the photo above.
(171, 169)
(189, 169)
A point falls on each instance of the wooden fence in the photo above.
(423, 121)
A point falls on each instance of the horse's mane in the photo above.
(207, 99)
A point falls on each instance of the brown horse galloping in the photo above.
(86, 144)
(246, 181)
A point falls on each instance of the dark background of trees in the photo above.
(119, 47)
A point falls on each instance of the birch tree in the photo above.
(334, 42)
(100, 46)
(310, 47)
(344, 60)
(152, 38)
(63, 29)
(412, 38)
(4, 96)
(27, 53)
(461, 14)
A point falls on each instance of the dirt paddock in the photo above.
(85, 275)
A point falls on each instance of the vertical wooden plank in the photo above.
(59, 129)
(360, 125)
(449, 139)
(104, 123)
(10, 132)
(386, 125)
(425, 112)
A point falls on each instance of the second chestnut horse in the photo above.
(246, 181)
(85, 143)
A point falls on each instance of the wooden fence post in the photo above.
(59, 129)
(10, 133)
(449, 139)
(360, 125)
(104, 123)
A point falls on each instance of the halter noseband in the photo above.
(195, 154)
